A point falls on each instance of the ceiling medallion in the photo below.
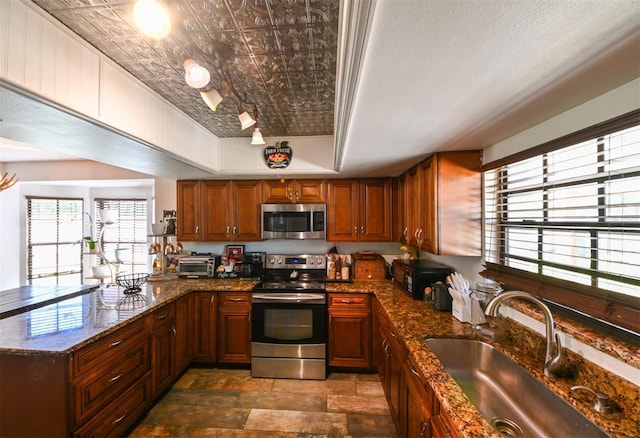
(278, 156)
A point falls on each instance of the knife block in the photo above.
(461, 311)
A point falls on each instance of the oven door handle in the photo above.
(297, 298)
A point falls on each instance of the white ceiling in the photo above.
(451, 74)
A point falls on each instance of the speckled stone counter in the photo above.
(60, 328)
(415, 320)
(68, 325)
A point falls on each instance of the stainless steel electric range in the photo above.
(289, 319)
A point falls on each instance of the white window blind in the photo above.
(571, 214)
(54, 226)
(128, 233)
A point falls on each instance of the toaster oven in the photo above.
(196, 266)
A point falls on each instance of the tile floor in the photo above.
(230, 403)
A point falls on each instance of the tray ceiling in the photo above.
(281, 54)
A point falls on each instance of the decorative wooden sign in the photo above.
(278, 156)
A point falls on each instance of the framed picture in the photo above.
(235, 252)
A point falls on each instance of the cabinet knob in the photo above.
(355, 230)
(235, 229)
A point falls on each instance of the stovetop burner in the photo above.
(293, 273)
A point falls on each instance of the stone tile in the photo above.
(344, 387)
(358, 404)
(283, 400)
(332, 424)
(369, 388)
(199, 397)
(380, 426)
(146, 430)
(197, 416)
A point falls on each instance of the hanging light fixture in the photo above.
(6, 183)
(256, 138)
(195, 75)
(212, 98)
(246, 120)
(152, 19)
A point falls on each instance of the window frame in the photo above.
(589, 303)
(29, 251)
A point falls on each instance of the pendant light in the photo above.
(195, 75)
(246, 120)
(152, 19)
(256, 138)
(212, 98)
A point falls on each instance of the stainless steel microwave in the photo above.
(294, 221)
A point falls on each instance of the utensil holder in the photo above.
(461, 311)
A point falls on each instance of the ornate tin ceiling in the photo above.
(280, 54)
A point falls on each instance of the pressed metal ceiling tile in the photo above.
(281, 55)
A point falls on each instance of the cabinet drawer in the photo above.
(349, 301)
(120, 414)
(88, 358)
(163, 316)
(93, 392)
(235, 298)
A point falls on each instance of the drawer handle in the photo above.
(116, 378)
(393, 334)
(118, 420)
(116, 343)
(237, 300)
(347, 301)
(413, 371)
(213, 298)
(162, 316)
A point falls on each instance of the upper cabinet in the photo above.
(441, 202)
(359, 210)
(300, 191)
(219, 210)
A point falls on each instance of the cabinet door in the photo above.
(216, 210)
(342, 211)
(310, 191)
(184, 332)
(247, 197)
(413, 198)
(276, 191)
(375, 210)
(418, 406)
(163, 348)
(204, 333)
(350, 339)
(188, 211)
(234, 327)
(429, 201)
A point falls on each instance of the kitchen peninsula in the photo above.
(102, 374)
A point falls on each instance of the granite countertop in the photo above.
(60, 328)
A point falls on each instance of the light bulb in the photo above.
(195, 75)
(152, 19)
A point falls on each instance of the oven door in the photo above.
(289, 318)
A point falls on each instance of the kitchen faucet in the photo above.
(552, 362)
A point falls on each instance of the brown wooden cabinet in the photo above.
(234, 327)
(350, 330)
(391, 356)
(163, 347)
(419, 404)
(219, 210)
(359, 210)
(204, 334)
(184, 332)
(298, 191)
(441, 204)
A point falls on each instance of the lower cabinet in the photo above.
(184, 332)
(162, 324)
(350, 330)
(419, 403)
(234, 327)
(204, 334)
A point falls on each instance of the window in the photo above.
(128, 233)
(54, 226)
(563, 220)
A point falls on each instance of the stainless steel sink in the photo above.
(507, 396)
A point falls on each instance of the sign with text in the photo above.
(278, 156)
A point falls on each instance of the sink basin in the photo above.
(507, 396)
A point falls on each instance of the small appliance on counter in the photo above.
(196, 265)
(251, 266)
(416, 275)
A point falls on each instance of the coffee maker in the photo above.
(253, 265)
